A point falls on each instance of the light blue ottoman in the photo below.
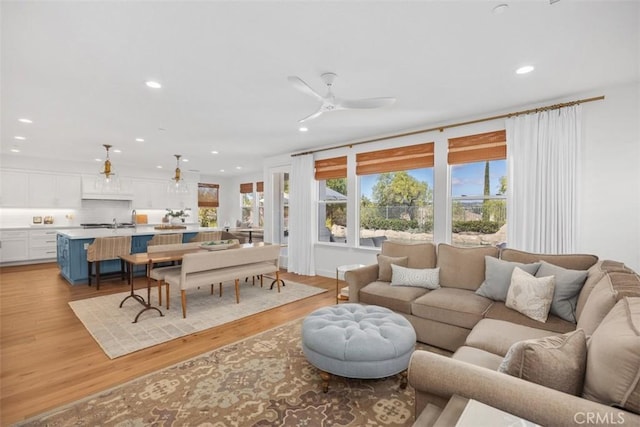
(358, 341)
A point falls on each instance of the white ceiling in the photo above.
(77, 69)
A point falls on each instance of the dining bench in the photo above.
(208, 268)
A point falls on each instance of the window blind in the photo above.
(260, 186)
(208, 195)
(478, 148)
(335, 167)
(246, 188)
(395, 159)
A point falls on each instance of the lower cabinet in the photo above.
(13, 246)
(42, 244)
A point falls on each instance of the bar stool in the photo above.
(165, 239)
(105, 249)
(206, 236)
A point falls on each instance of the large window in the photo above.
(247, 203)
(260, 197)
(331, 175)
(396, 194)
(208, 204)
(478, 189)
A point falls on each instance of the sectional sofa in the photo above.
(549, 338)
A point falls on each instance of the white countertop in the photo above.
(140, 230)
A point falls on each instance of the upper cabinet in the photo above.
(54, 191)
(39, 190)
(149, 194)
(14, 189)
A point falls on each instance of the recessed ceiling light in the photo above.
(117, 151)
(214, 152)
(153, 85)
(98, 160)
(221, 170)
(139, 139)
(25, 121)
(185, 160)
(524, 70)
(501, 8)
(15, 150)
(159, 167)
(303, 129)
(238, 167)
(21, 138)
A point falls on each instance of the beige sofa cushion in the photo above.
(595, 274)
(571, 261)
(384, 266)
(396, 298)
(613, 361)
(499, 311)
(497, 336)
(457, 307)
(420, 255)
(557, 362)
(463, 268)
(605, 294)
(478, 357)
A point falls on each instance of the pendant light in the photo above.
(108, 182)
(177, 184)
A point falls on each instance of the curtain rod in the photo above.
(470, 122)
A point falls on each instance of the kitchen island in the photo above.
(73, 243)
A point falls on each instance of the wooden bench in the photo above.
(208, 268)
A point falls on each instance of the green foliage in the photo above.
(481, 227)
(395, 224)
(400, 188)
(338, 184)
(208, 217)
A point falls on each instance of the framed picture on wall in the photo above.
(208, 195)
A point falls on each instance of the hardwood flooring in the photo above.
(47, 357)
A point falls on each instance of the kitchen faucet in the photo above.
(134, 217)
(115, 224)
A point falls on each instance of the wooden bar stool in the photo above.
(165, 239)
(105, 249)
(206, 236)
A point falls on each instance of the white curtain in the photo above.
(543, 183)
(302, 208)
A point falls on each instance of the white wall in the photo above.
(610, 200)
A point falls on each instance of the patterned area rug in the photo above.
(264, 380)
(114, 331)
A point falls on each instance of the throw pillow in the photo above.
(613, 360)
(557, 362)
(529, 295)
(420, 277)
(497, 277)
(568, 286)
(384, 266)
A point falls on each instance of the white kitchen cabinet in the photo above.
(13, 245)
(14, 189)
(42, 244)
(54, 191)
(149, 194)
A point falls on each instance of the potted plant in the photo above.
(176, 217)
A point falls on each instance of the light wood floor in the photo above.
(48, 358)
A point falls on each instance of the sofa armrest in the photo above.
(436, 378)
(358, 278)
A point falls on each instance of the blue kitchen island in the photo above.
(72, 247)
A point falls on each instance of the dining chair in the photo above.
(206, 236)
(105, 249)
(165, 239)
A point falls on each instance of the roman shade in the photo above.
(478, 148)
(395, 159)
(333, 168)
(246, 188)
(260, 186)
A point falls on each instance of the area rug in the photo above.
(113, 329)
(264, 380)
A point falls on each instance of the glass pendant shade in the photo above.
(107, 182)
(177, 185)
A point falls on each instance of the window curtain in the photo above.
(543, 152)
(302, 208)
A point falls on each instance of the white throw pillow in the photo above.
(421, 277)
(529, 295)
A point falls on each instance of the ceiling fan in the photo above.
(330, 102)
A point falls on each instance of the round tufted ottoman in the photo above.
(358, 341)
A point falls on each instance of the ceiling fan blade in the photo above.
(312, 116)
(299, 84)
(365, 103)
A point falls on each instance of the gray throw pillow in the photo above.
(497, 277)
(568, 286)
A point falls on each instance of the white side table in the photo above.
(343, 294)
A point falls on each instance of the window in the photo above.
(247, 199)
(208, 204)
(478, 189)
(260, 196)
(331, 175)
(396, 194)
